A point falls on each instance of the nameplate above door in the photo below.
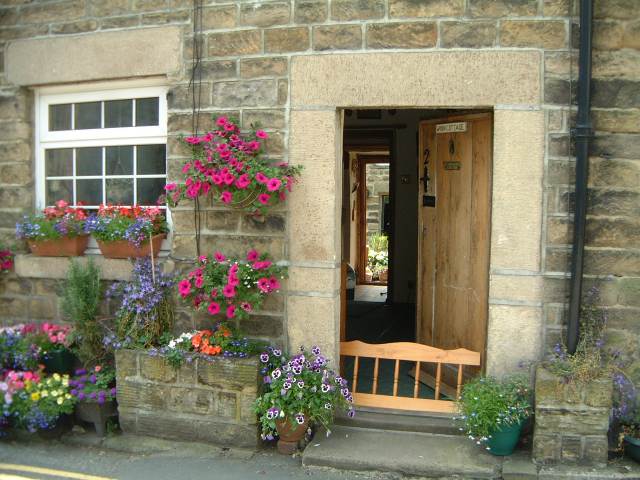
(451, 127)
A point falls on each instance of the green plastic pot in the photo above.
(632, 447)
(59, 361)
(504, 440)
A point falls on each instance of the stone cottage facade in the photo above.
(294, 66)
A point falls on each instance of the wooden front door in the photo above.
(455, 205)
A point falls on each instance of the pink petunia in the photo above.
(274, 283)
(199, 282)
(233, 280)
(184, 287)
(252, 255)
(264, 198)
(264, 285)
(170, 187)
(261, 178)
(231, 311)
(228, 178)
(229, 291)
(202, 259)
(186, 167)
(214, 293)
(213, 308)
(226, 197)
(261, 134)
(243, 181)
(234, 268)
(273, 184)
(219, 257)
(246, 306)
(222, 121)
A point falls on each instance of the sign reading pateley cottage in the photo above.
(451, 127)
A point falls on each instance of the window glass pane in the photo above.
(150, 160)
(118, 113)
(89, 192)
(119, 160)
(149, 189)
(59, 117)
(59, 190)
(89, 161)
(120, 191)
(87, 115)
(146, 111)
(59, 162)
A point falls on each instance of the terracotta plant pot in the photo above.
(383, 276)
(60, 247)
(290, 434)
(125, 249)
(93, 412)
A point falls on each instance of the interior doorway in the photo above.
(417, 182)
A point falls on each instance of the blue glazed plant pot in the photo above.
(632, 447)
(504, 440)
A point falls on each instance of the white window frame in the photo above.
(102, 137)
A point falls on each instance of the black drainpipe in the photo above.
(582, 135)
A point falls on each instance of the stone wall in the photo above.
(249, 50)
(571, 421)
(206, 400)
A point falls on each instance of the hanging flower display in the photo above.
(230, 287)
(231, 167)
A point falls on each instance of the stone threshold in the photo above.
(32, 266)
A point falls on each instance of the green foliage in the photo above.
(379, 243)
(487, 403)
(80, 304)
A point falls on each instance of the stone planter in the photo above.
(571, 421)
(61, 247)
(125, 249)
(92, 412)
(206, 400)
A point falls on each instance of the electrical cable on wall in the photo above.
(195, 86)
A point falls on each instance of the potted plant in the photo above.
(299, 391)
(232, 288)
(53, 342)
(230, 167)
(59, 231)
(146, 311)
(128, 232)
(43, 404)
(95, 391)
(81, 296)
(17, 351)
(493, 411)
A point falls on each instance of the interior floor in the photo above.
(371, 293)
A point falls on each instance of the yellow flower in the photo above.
(65, 380)
(55, 393)
(56, 377)
(44, 393)
(35, 396)
(67, 396)
(60, 400)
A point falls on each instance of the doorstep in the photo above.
(407, 453)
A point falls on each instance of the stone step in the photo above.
(401, 421)
(406, 453)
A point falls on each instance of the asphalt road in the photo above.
(55, 460)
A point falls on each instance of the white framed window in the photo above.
(101, 144)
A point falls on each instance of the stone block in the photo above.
(310, 11)
(595, 450)
(619, 9)
(549, 34)
(127, 363)
(515, 288)
(283, 92)
(14, 307)
(263, 67)
(602, 262)
(559, 231)
(467, 34)
(598, 393)
(345, 10)
(245, 93)
(308, 279)
(502, 8)
(157, 369)
(616, 145)
(226, 405)
(163, 18)
(572, 421)
(615, 93)
(402, 35)
(314, 321)
(98, 56)
(426, 8)
(120, 22)
(146, 5)
(571, 449)
(264, 118)
(81, 26)
(218, 70)
(232, 374)
(242, 42)
(221, 220)
(546, 448)
(16, 174)
(618, 232)
(617, 121)
(264, 14)
(43, 308)
(270, 224)
(43, 13)
(269, 327)
(282, 40)
(337, 37)
(214, 18)
(18, 151)
(558, 8)
(558, 91)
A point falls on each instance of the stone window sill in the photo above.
(31, 266)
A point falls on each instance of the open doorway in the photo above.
(415, 219)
